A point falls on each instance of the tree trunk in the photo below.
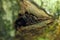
(26, 5)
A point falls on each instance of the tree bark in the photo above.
(38, 25)
(26, 5)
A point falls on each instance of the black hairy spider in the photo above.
(25, 20)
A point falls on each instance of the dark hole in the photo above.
(25, 20)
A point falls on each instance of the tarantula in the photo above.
(25, 20)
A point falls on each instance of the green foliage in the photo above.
(8, 12)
